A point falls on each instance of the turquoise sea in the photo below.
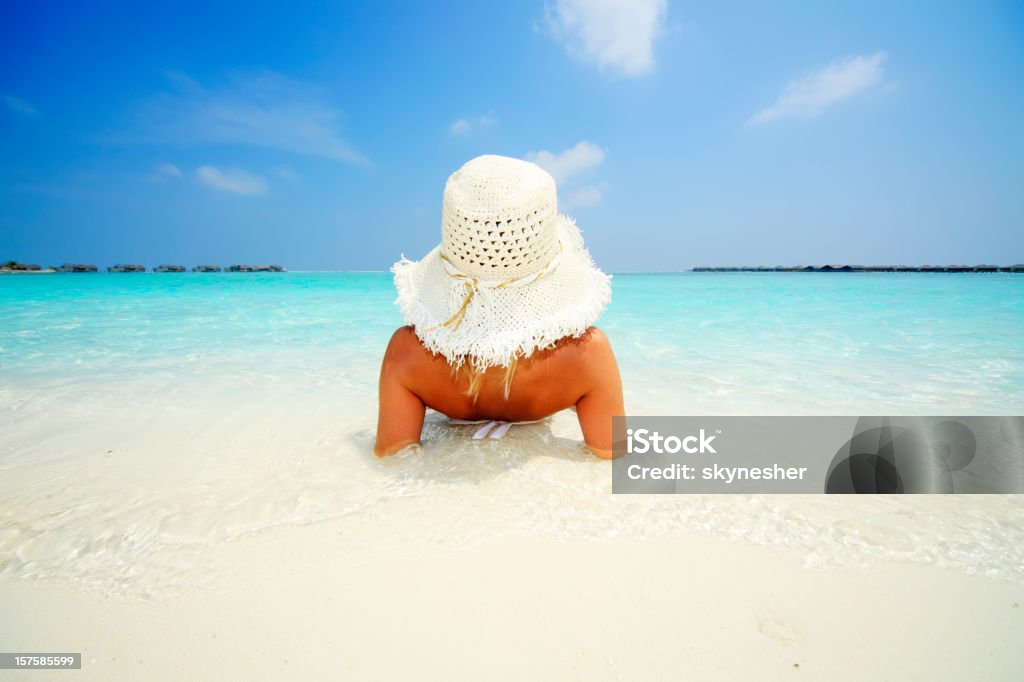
(146, 417)
(695, 343)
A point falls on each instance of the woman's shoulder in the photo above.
(405, 350)
(403, 335)
(596, 337)
(585, 356)
(590, 342)
(403, 346)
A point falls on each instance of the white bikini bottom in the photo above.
(493, 427)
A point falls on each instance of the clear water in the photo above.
(145, 418)
(699, 343)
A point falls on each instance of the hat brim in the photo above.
(500, 324)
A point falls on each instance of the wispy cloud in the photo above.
(570, 166)
(564, 165)
(464, 126)
(588, 195)
(613, 34)
(168, 169)
(18, 104)
(810, 95)
(235, 180)
(264, 110)
(162, 172)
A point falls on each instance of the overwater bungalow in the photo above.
(255, 268)
(76, 267)
(864, 268)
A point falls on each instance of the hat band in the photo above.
(474, 284)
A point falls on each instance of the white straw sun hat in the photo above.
(510, 276)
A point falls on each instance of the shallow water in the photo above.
(147, 418)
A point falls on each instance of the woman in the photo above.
(499, 315)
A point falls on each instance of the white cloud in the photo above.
(18, 104)
(587, 195)
(234, 180)
(564, 165)
(810, 95)
(465, 125)
(613, 34)
(460, 127)
(162, 172)
(265, 110)
(168, 169)
(568, 167)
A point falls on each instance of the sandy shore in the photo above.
(259, 540)
(327, 600)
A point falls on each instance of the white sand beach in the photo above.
(332, 601)
(255, 540)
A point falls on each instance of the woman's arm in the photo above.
(602, 398)
(400, 413)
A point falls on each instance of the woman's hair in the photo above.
(475, 376)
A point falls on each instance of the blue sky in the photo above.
(319, 135)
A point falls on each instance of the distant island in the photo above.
(14, 267)
(864, 268)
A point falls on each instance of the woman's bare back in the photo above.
(579, 372)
